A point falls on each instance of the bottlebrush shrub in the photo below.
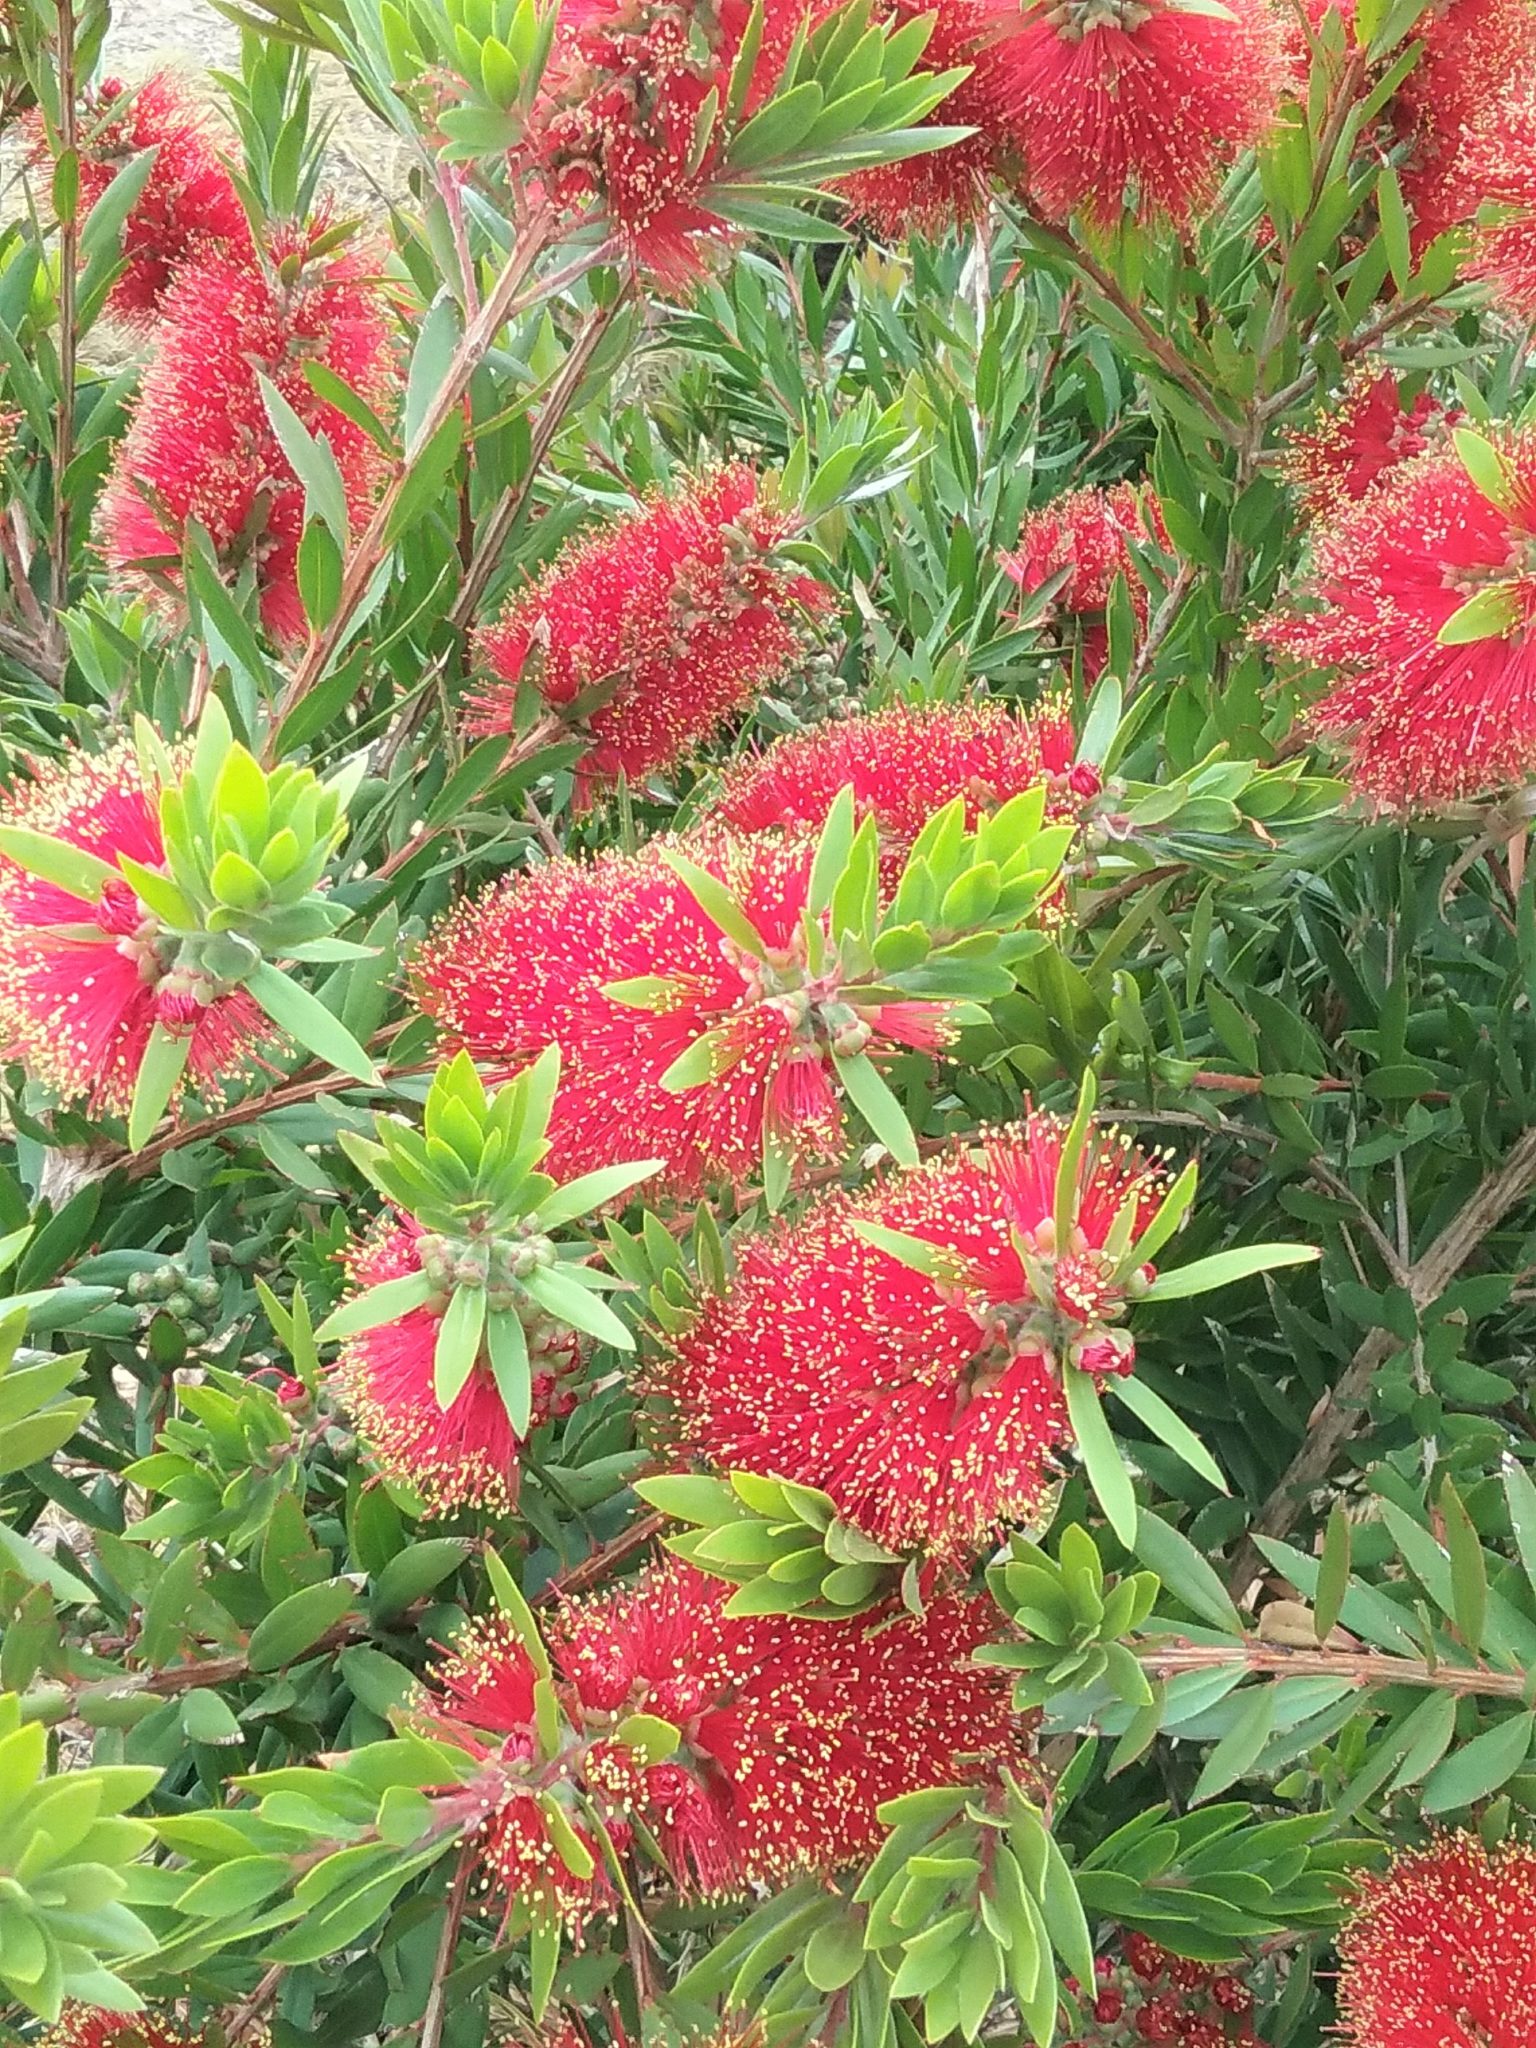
(178, 883)
(718, 1000)
(649, 635)
(187, 207)
(1440, 1945)
(469, 1307)
(1419, 601)
(209, 445)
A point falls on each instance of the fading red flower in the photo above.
(201, 446)
(1472, 50)
(189, 205)
(654, 631)
(464, 1456)
(528, 964)
(1146, 1993)
(1441, 1950)
(946, 187)
(1136, 105)
(1089, 533)
(928, 1409)
(1364, 434)
(616, 123)
(1499, 166)
(906, 762)
(1425, 725)
(82, 985)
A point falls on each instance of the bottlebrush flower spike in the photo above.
(1418, 600)
(619, 115)
(202, 446)
(946, 187)
(471, 1302)
(87, 972)
(1364, 433)
(1088, 534)
(708, 994)
(89, 2026)
(752, 1749)
(1472, 50)
(924, 1399)
(904, 763)
(1441, 1949)
(653, 632)
(144, 903)
(1498, 164)
(188, 207)
(1137, 105)
(462, 1456)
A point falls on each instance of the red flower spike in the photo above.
(1472, 50)
(82, 985)
(794, 1733)
(201, 445)
(1498, 165)
(616, 123)
(1136, 105)
(89, 2026)
(946, 187)
(904, 763)
(1441, 1950)
(1364, 435)
(465, 1456)
(1425, 725)
(930, 1411)
(528, 963)
(1089, 533)
(670, 621)
(189, 206)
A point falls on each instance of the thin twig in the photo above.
(1363, 1667)
(69, 244)
(436, 2014)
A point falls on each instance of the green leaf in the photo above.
(579, 1307)
(716, 902)
(307, 1020)
(69, 868)
(298, 1622)
(1153, 1411)
(834, 1955)
(1333, 1573)
(1469, 1573)
(1239, 1749)
(1520, 1493)
(507, 1343)
(159, 1076)
(594, 1191)
(1487, 466)
(1479, 1767)
(458, 1344)
(1186, 1573)
(313, 462)
(871, 1094)
(375, 1306)
(1101, 1457)
(1492, 614)
(1223, 1268)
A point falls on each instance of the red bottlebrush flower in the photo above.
(83, 985)
(201, 445)
(189, 206)
(616, 124)
(527, 964)
(1498, 166)
(1135, 105)
(945, 187)
(928, 1411)
(1425, 725)
(654, 631)
(89, 2026)
(464, 1456)
(1363, 435)
(1089, 534)
(797, 1731)
(904, 763)
(1472, 50)
(1441, 1950)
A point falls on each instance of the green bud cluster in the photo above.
(191, 1300)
